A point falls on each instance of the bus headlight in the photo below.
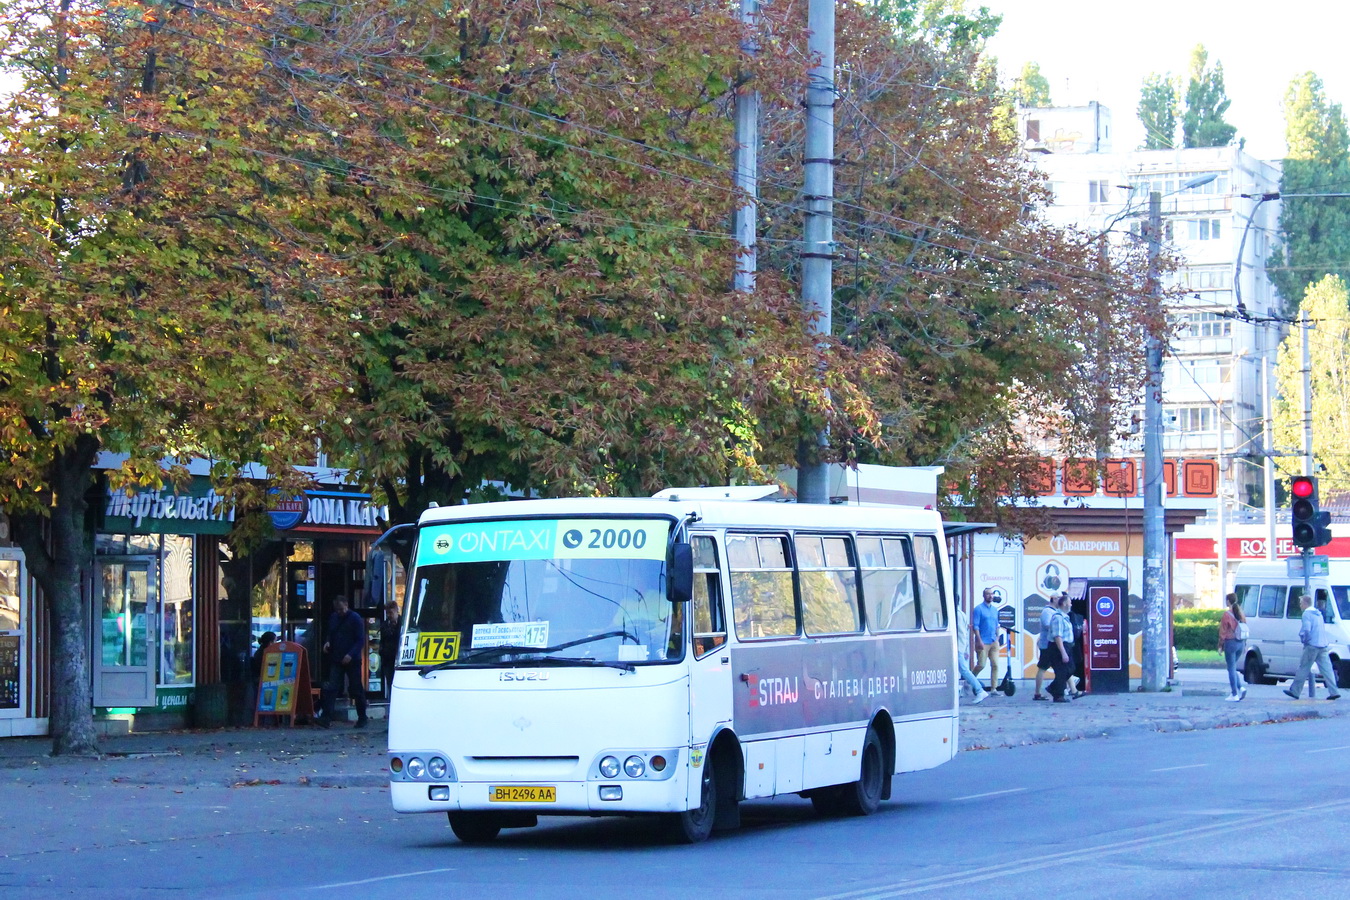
(609, 767)
(416, 768)
(634, 767)
(436, 767)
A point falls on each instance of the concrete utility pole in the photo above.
(1156, 657)
(818, 238)
(1305, 324)
(747, 167)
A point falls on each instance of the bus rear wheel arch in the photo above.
(864, 796)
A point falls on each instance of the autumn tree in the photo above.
(1327, 305)
(1314, 231)
(981, 327)
(1158, 112)
(167, 287)
(555, 308)
(1206, 102)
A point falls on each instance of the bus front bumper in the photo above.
(623, 797)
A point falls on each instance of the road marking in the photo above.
(1327, 749)
(1179, 768)
(343, 884)
(1084, 855)
(990, 794)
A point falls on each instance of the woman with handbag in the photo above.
(1233, 642)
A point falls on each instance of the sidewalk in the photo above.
(1197, 703)
(232, 757)
(347, 757)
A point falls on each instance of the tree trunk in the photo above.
(58, 563)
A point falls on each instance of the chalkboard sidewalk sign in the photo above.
(284, 685)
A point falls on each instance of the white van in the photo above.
(1270, 600)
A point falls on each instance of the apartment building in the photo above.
(1223, 349)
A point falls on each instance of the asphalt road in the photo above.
(1232, 812)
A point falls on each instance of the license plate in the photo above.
(522, 793)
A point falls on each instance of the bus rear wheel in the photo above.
(862, 797)
(474, 828)
(694, 825)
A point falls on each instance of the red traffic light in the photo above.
(1302, 486)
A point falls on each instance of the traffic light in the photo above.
(1312, 526)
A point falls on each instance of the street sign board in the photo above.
(1317, 565)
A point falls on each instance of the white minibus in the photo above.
(668, 657)
(1270, 601)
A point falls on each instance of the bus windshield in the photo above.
(507, 593)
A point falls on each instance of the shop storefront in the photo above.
(177, 615)
(18, 715)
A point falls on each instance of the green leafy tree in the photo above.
(1314, 231)
(1031, 87)
(1202, 122)
(165, 286)
(1327, 305)
(1158, 112)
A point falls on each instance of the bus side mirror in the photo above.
(681, 572)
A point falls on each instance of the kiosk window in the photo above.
(710, 626)
(762, 599)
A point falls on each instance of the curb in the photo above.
(1164, 726)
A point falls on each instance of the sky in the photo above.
(1091, 50)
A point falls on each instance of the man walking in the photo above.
(1044, 659)
(985, 623)
(1312, 632)
(963, 631)
(343, 650)
(1061, 639)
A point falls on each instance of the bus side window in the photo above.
(710, 625)
(888, 584)
(1247, 595)
(1272, 600)
(1294, 609)
(1321, 605)
(928, 565)
(763, 602)
(1342, 595)
(829, 584)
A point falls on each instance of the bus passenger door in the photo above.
(709, 657)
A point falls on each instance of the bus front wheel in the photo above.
(694, 825)
(474, 828)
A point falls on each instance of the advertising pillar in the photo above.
(1106, 654)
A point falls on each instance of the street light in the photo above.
(1156, 658)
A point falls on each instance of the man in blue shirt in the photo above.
(984, 620)
(343, 653)
(1313, 633)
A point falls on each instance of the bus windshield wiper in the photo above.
(581, 661)
(483, 654)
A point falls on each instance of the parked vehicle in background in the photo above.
(1270, 600)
